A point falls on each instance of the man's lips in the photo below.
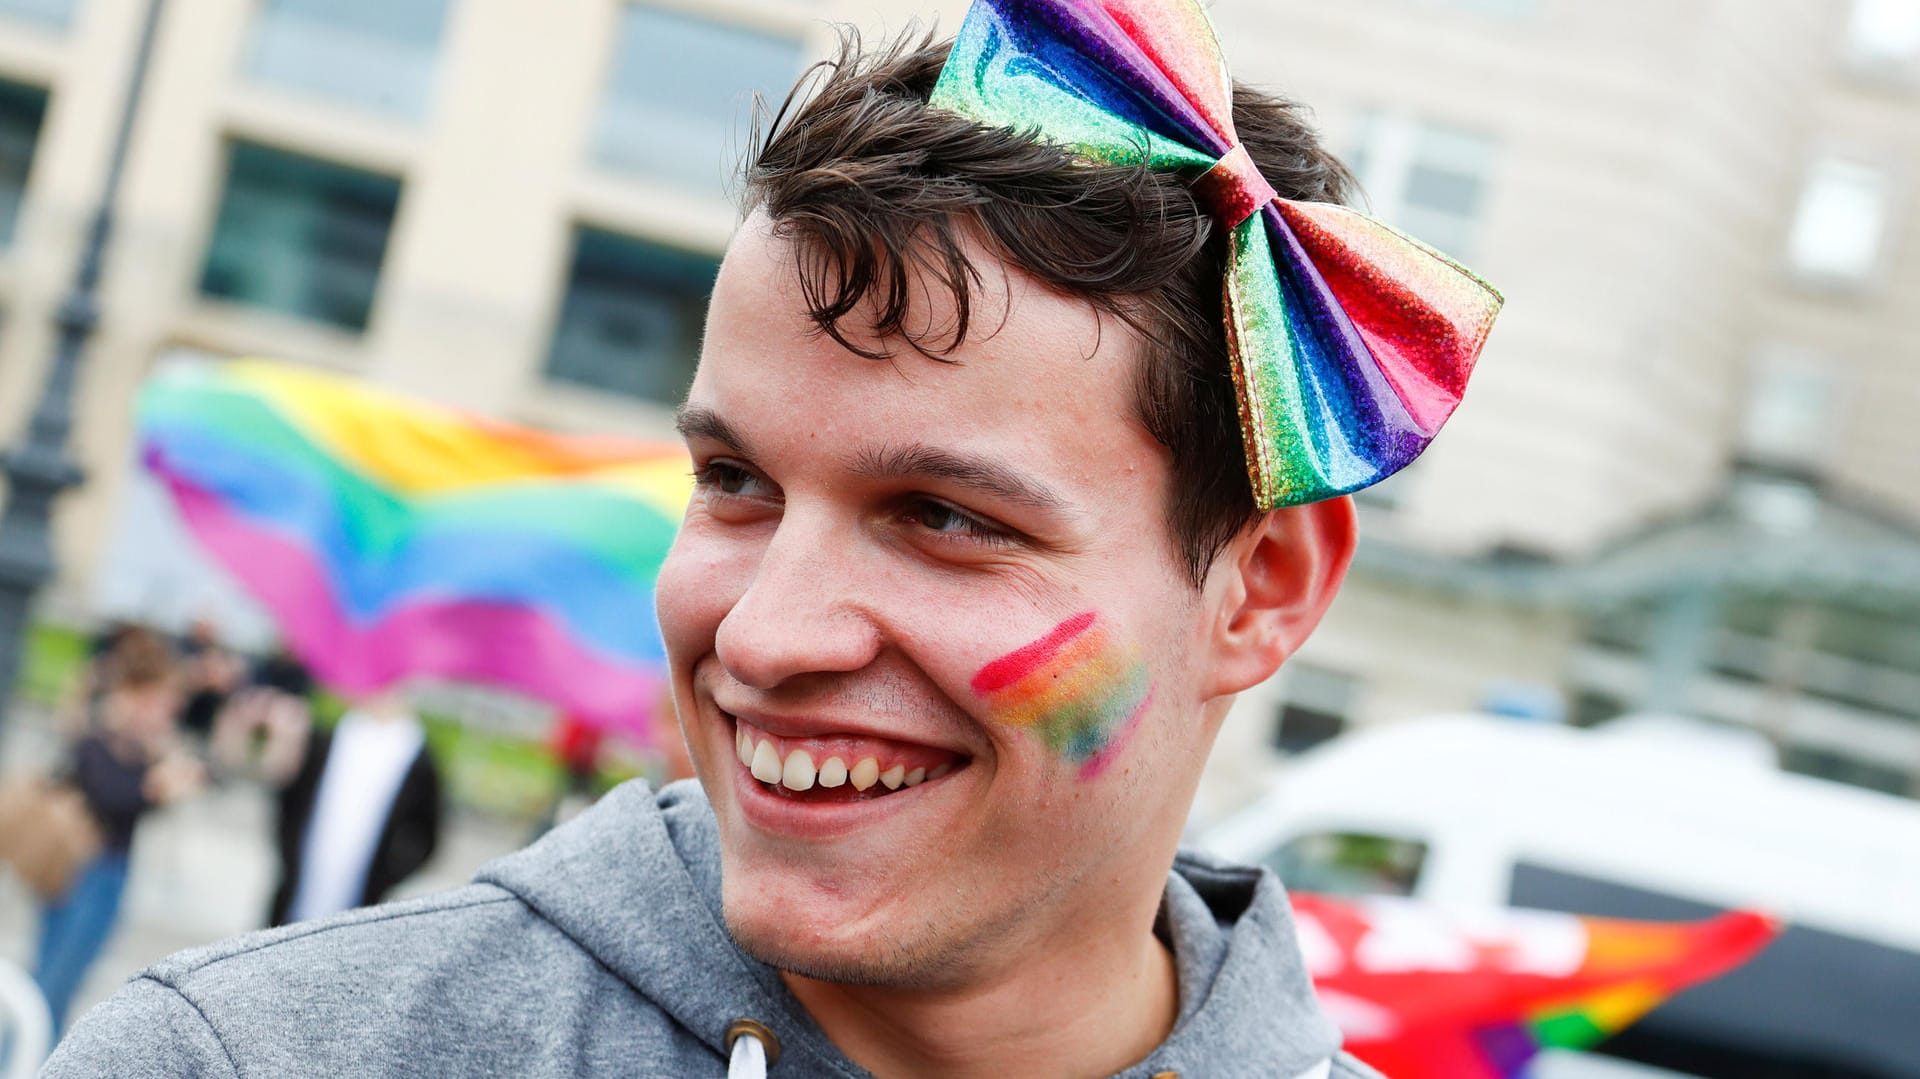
(827, 767)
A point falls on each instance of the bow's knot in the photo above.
(1233, 188)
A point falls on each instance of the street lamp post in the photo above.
(41, 467)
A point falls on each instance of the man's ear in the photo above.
(1275, 582)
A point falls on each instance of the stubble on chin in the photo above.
(918, 958)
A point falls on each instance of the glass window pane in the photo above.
(300, 236)
(1446, 187)
(632, 317)
(54, 13)
(1314, 706)
(1836, 232)
(1792, 408)
(1348, 863)
(378, 55)
(680, 96)
(1871, 637)
(1884, 33)
(21, 110)
(1443, 190)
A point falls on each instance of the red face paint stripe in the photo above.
(1016, 665)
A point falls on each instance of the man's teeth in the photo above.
(765, 764)
(799, 772)
(833, 773)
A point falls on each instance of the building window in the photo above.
(1315, 705)
(1838, 228)
(680, 96)
(1883, 36)
(1849, 768)
(1350, 863)
(1792, 404)
(21, 110)
(632, 317)
(377, 55)
(54, 13)
(300, 236)
(1592, 707)
(1426, 179)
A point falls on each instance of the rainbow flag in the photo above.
(393, 538)
(1424, 994)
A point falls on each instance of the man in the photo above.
(359, 808)
(975, 566)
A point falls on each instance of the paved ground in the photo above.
(202, 870)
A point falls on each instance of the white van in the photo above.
(1656, 819)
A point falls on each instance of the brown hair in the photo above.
(878, 188)
(140, 659)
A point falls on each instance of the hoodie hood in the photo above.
(635, 882)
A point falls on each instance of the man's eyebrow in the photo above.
(695, 421)
(899, 462)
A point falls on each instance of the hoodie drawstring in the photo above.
(753, 1049)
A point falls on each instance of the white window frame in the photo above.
(1389, 145)
(1881, 39)
(1815, 212)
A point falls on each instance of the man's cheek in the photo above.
(1078, 688)
(697, 585)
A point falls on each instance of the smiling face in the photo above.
(932, 645)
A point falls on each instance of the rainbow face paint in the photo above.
(1076, 688)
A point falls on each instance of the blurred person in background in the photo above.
(580, 749)
(280, 669)
(360, 805)
(74, 713)
(575, 745)
(125, 763)
(209, 673)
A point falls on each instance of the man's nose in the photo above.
(798, 615)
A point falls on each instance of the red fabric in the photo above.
(1422, 994)
(577, 744)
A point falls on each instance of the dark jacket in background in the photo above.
(115, 789)
(406, 840)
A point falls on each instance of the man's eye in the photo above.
(727, 479)
(936, 516)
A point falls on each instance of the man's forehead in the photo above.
(1006, 308)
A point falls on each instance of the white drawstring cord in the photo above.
(751, 1047)
(749, 1059)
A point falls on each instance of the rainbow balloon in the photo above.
(393, 539)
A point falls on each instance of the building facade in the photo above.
(1684, 479)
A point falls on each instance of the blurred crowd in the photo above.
(150, 720)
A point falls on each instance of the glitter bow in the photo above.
(1351, 343)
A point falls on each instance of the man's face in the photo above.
(934, 654)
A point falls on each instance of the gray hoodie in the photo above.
(600, 951)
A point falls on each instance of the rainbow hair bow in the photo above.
(1351, 343)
